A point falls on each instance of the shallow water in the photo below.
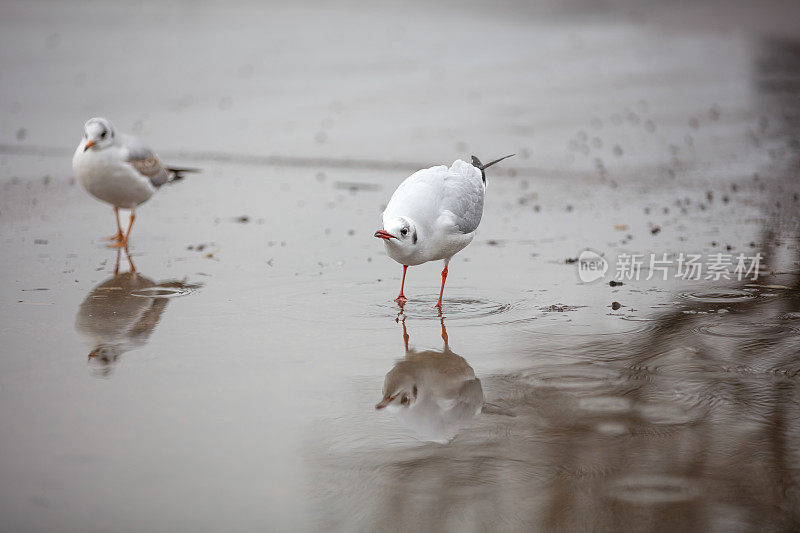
(231, 383)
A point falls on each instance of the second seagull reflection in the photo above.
(121, 313)
(433, 393)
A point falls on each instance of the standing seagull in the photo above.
(433, 215)
(119, 169)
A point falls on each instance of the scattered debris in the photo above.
(560, 308)
(615, 283)
(616, 305)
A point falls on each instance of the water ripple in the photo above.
(167, 290)
(758, 331)
(652, 489)
(719, 295)
(573, 377)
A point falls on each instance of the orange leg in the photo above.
(132, 269)
(130, 263)
(441, 291)
(116, 264)
(402, 298)
(444, 334)
(405, 334)
(118, 236)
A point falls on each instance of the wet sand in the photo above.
(232, 383)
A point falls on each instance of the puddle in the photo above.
(558, 399)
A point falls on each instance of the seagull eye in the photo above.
(404, 400)
(103, 135)
(404, 232)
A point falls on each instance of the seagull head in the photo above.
(98, 133)
(105, 354)
(399, 232)
(399, 391)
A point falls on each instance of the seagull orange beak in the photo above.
(383, 234)
(89, 144)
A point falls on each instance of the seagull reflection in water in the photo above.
(433, 393)
(121, 313)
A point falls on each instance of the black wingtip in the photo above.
(177, 173)
(487, 165)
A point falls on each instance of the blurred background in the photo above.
(231, 383)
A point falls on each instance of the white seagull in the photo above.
(433, 215)
(119, 169)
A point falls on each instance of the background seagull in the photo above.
(433, 215)
(119, 169)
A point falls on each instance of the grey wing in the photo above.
(145, 161)
(463, 198)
